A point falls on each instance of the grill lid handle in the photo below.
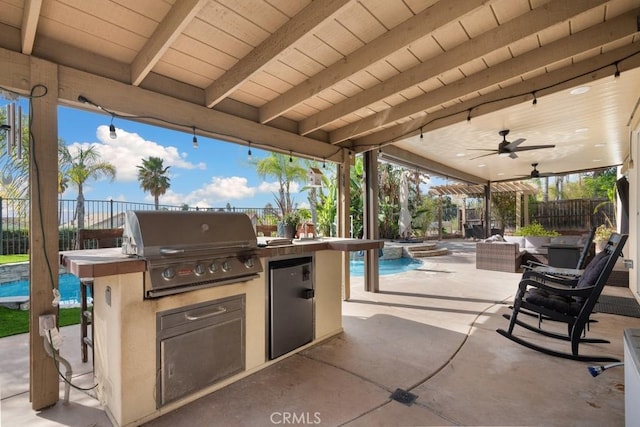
(170, 251)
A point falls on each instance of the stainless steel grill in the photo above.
(191, 250)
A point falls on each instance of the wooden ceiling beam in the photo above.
(180, 15)
(138, 104)
(286, 36)
(30, 17)
(583, 41)
(537, 20)
(420, 25)
(410, 160)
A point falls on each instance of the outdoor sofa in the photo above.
(508, 253)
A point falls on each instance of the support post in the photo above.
(487, 210)
(371, 278)
(43, 227)
(343, 172)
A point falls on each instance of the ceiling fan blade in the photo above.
(533, 147)
(482, 149)
(484, 155)
(512, 146)
(513, 155)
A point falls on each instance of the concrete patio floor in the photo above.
(430, 331)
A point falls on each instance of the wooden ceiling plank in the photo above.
(404, 34)
(180, 15)
(607, 32)
(510, 32)
(575, 75)
(30, 24)
(305, 21)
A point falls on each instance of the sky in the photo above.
(212, 175)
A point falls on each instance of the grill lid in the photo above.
(174, 233)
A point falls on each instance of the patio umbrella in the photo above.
(404, 223)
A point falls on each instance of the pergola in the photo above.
(518, 188)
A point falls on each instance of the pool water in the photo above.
(69, 286)
(386, 266)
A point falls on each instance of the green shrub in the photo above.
(535, 229)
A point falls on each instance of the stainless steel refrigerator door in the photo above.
(291, 294)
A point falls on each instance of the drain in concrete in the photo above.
(403, 396)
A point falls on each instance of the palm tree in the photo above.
(153, 178)
(286, 170)
(82, 166)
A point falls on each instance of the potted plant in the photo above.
(603, 232)
(290, 221)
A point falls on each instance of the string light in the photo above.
(617, 73)
(535, 99)
(195, 138)
(290, 158)
(112, 129)
(249, 156)
(324, 163)
(421, 135)
(469, 116)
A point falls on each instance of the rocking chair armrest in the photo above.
(559, 271)
(541, 275)
(556, 288)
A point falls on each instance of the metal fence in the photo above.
(98, 214)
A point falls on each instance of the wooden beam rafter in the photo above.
(182, 12)
(510, 32)
(420, 25)
(605, 33)
(564, 78)
(30, 20)
(293, 30)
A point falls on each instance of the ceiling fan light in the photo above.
(504, 154)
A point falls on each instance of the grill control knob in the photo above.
(249, 262)
(226, 265)
(213, 267)
(199, 269)
(168, 273)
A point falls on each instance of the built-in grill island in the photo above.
(186, 306)
(190, 250)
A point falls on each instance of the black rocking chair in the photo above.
(566, 300)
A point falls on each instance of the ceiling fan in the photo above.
(509, 149)
(535, 173)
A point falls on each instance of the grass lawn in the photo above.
(14, 322)
(7, 259)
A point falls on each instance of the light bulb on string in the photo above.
(195, 138)
(616, 75)
(249, 155)
(112, 129)
(535, 100)
(290, 158)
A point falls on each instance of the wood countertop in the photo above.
(111, 261)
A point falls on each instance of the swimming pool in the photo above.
(386, 266)
(69, 286)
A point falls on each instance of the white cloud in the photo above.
(128, 149)
(219, 191)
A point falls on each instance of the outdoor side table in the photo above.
(565, 256)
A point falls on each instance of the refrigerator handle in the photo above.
(308, 293)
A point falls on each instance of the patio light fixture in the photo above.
(195, 138)
(112, 129)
